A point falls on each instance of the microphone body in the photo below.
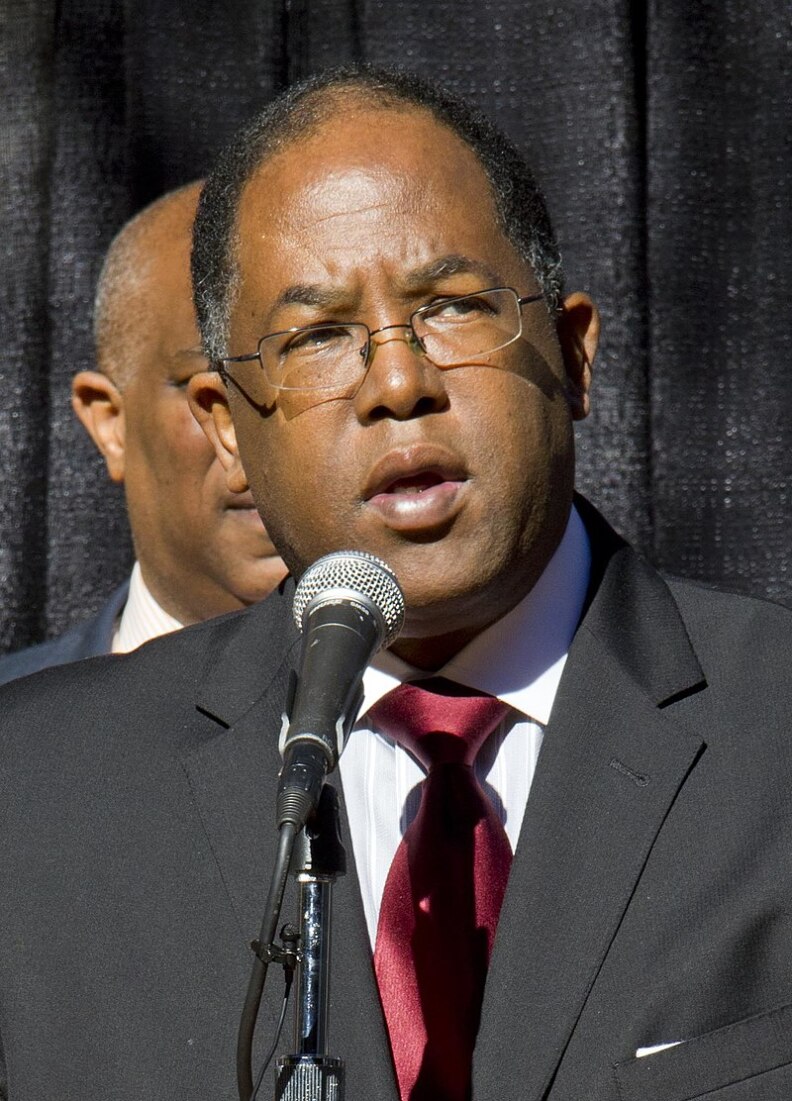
(348, 606)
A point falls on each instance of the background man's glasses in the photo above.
(450, 333)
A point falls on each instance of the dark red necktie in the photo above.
(444, 890)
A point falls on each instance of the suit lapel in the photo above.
(233, 780)
(611, 765)
(232, 776)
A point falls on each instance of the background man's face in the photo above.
(201, 547)
(461, 479)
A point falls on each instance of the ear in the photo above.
(578, 333)
(99, 405)
(208, 398)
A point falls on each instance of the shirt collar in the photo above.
(520, 657)
(142, 618)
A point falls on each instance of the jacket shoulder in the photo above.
(728, 614)
(158, 685)
(742, 642)
(90, 638)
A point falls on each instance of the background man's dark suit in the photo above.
(650, 899)
(85, 640)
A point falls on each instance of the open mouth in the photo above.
(411, 495)
(416, 483)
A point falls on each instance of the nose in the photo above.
(400, 382)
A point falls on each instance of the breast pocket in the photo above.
(747, 1061)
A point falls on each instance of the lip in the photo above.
(445, 477)
(244, 512)
(241, 500)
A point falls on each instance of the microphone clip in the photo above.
(287, 953)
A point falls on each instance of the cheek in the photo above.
(520, 425)
(299, 470)
(182, 444)
(524, 457)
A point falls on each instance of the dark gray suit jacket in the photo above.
(89, 639)
(650, 899)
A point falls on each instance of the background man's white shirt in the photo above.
(142, 618)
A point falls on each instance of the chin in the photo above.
(446, 602)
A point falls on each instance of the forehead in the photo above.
(395, 187)
(170, 288)
(161, 306)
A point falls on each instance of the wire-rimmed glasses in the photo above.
(450, 332)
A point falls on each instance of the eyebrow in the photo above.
(191, 352)
(452, 264)
(312, 294)
(309, 294)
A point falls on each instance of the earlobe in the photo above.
(208, 398)
(578, 334)
(99, 405)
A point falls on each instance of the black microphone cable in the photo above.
(264, 955)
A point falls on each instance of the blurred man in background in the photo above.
(200, 549)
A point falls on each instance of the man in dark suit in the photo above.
(357, 239)
(200, 550)
(86, 639)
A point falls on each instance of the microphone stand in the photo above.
(310, 1073)
(348, 605)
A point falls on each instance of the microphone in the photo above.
(348, 606)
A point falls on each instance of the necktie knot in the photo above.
(438, 721)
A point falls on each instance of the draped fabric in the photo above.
(660, 133)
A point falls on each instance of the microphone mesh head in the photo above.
(353, 575)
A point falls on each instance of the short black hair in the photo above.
(297, 113)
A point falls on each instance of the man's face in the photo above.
(203, 549)
(460, 479)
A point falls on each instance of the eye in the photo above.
(187, 362)
(315, 339)
(470, 307)
(181, 383)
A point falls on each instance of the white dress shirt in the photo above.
(519, 659)
(142, 618)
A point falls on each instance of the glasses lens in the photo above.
(316, 357)
(458, 329)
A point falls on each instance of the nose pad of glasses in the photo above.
(407, 336)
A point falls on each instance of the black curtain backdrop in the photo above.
(660, 132)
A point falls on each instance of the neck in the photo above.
(431, 654)
(171, 603)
